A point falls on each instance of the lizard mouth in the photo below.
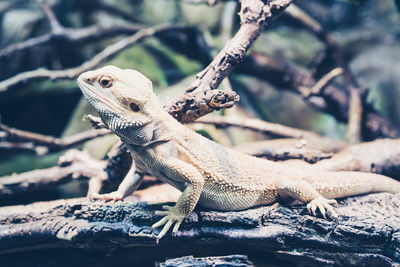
(92, 95)
(104, 100)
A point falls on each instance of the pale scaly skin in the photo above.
(207, 173)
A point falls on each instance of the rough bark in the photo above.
(73, 165)
(254, 16)
(232, 260)
(286, 149)
(366, 233)
(45, 143)
(333, 100)
(380, 156)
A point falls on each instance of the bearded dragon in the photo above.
(207, 173)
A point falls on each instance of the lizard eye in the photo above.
(105, 82)
(134, 107)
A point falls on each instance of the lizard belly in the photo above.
(215, 196)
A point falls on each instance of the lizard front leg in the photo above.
(130, 183)
(306, 193)
(180, 171)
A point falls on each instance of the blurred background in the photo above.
(367, 32)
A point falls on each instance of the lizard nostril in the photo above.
(88, 80)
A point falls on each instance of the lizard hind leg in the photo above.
(305, 192)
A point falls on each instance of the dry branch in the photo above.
(254, 16)
(286, 149)
(74, 165)
(60, 33)
(44, 144)
(369, 236)
(355, 121)
(332, 47)
(95, 61)
(77, 36)
(334, 100)
(23, 147)
(311, 139)
(380, 156)
(318, 87)
(231, 261)
(357, 95)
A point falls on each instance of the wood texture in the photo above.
(367, 233)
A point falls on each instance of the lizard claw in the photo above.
(324, 206)
(113, 196)
(172, 216)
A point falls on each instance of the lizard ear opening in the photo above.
(134, 107)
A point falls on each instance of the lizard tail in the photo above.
(343, 184)
(386, 184)
(376, 182)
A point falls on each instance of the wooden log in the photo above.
(366, 233)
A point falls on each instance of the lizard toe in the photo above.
(332, 212)
(171, 216)
(160, 222)
(309, 205)
(166, 207)
(176, 227)
(312, 208)
(165, 229)
(323, 205)
(332, 201)
(161, 212)
(322, 210)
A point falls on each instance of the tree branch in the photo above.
(333, 99)
(287, 149)
(368, 237)
(74, 165)
(47, 142)
(71, 73)
(311, 139)
(380, 156)
(59, 32)
(77, 36)
(254, 16)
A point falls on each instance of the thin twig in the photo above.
(76, 36)
(354, 124)
(355, 121)
(276, 130)
(321, 33)
(333, 100)
(71, 73)
(317, 88)
(257, 125)
(59, 32)
(207, 2)
(51, 17)
(24, 147)
(74, 165)
(50, 142)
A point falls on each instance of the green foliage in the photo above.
(156, 61)
(27, 162)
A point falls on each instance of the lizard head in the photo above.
(123, 97)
